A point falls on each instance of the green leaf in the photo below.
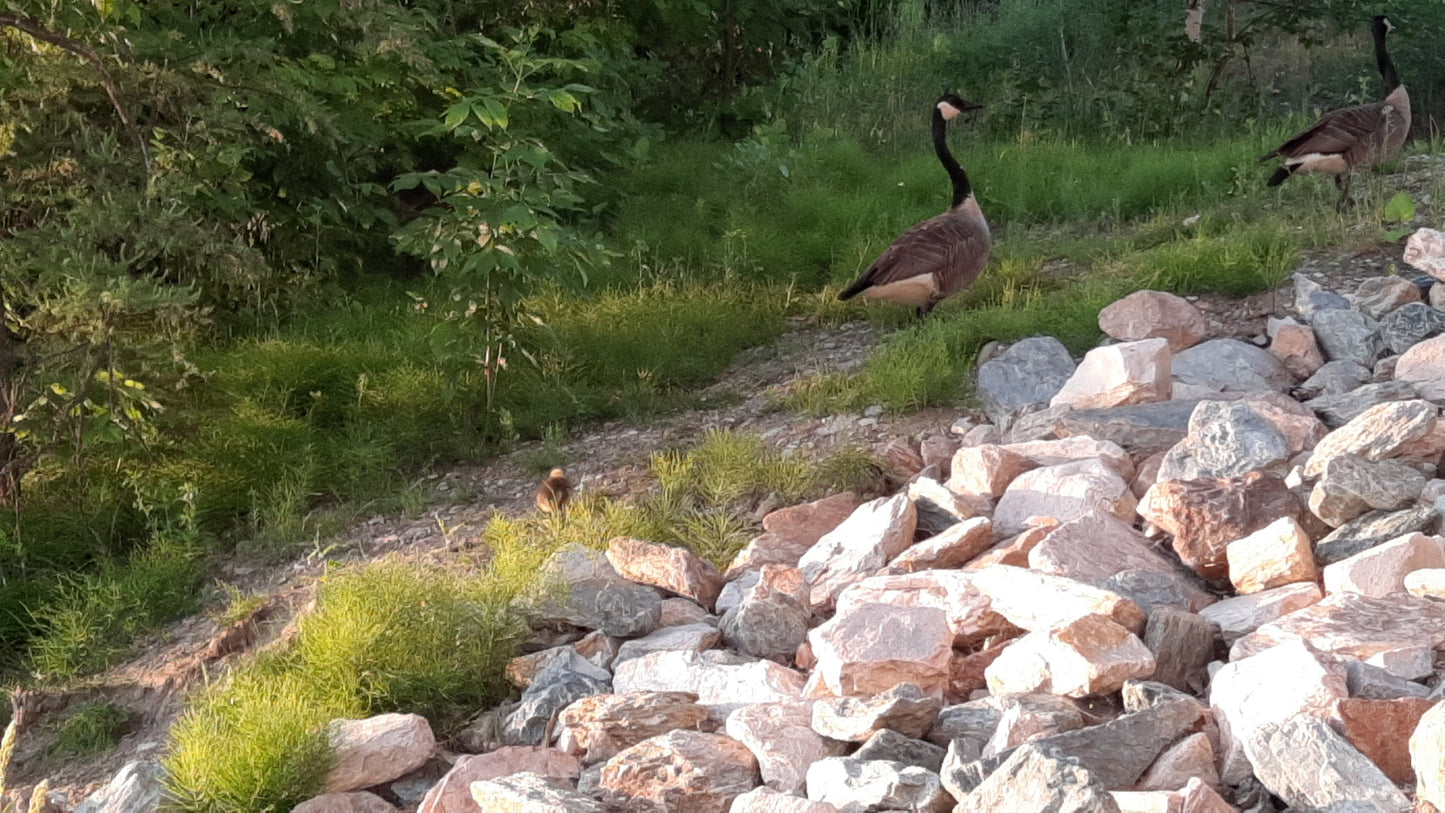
(1401, 208)
(491, 113)
(1394, 235)
(562, 100)
(456, 114)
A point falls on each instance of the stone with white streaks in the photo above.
(854, 784)
(1118, 374)
(1381, 570)
(782, 738)
(1382, 431)
(862, 545)
(905, 708)
(1065, 492)
(1089, 656)
(681, 772)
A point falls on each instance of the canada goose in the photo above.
(941, 256)
(1351, 138)
(554, 492)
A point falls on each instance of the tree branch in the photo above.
(31, 26)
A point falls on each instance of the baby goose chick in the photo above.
(554, 492)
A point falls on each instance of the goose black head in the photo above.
(950, 105)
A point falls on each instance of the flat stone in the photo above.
(1381, 570)
(1029, 372)
(1382, 431)
(1074, 450)
(1150, 314)
(969, 613)
(905, 708)
(1204, 516)
(1140, 429)
(376, 750)
(1242, 615)
(1030, 717)
(1338, 410)
(889, 745)
(1411, 324)
(875, 647)
(1381, 729)
(1367, 681)
(1090, 656)
(1378, 296)
(850, 783)
(1370, 529)
(1097, 547)
(861, 545)
(951, 548)
(1353, 625)
(1038, 602)
(1229, 365)
(1065, 492)
(677, 570)
(690, 638)
(1335, 378)
(1310, 766)
(1275, 555)
(971, 723)
(580, 587)
(1114, 375)
(722, 681)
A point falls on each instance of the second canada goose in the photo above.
(1351, 138)
(941, 256)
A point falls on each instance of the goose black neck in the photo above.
(1382, 58)
(961, 187)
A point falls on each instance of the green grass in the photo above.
(91, 728)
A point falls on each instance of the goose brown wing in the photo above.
(1335, 133)
(948, 241)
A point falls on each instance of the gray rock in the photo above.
(938, 508)
(689, 637)
(1229, 365)
(890, 745)
(771, 627)
(1371, 529)
(859, 784)
(969, 724)
(135, 788)
(1310, 298)
(904, 708)
(580, 587)
(1334, 378)
(1375, 683)
(1182, 643)
(1042, 779)
(561, 683)
(532, 792)
(1351, 485)
(1410, 324)
(1150, 589)
(1029, 372)
(1337, 410)
(1348, 335)
(1141, 429)
(1226, 439)
(1312, 767)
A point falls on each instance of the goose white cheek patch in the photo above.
(948, 111)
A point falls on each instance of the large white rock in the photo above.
(1065, 492)
(874, 647)
(862, 545)
(377, 749)
(1381, 570)
(1089, 656)
(722, 681)
(782, 738)
(1118, 374)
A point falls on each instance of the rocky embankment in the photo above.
(1186, 574)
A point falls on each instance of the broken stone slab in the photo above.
(1040, 778)
(1351, 485)
(1204, 516)
(721, 680)
(1239, 616)
(1151, 314)
(850, 783)
(860, 546)
(1228, 365)
(1370, 682)
(376, 750)
(1098, 547)
(969, 613)
(1029, 372)
(1411, 324)
(1371, 529)
(1190, 758)
(1140, 429)
(1338, 410)
(1073, 450)
(1381, 570)
(1150, 589)
(558, 685)
(1275, 555)
(1182, 644)
(1424, 366)
(677, 570)
(1089, 656)
(1134, 372)
(1225, 439)
(905, 708)
(986, 470)
(1311, 766)
(1065, 492)
(1036, 601)
(681, 771)
(781, 736)
(887, 744)
(1269, 688)
(1348, 335)
(689, 637)
(791, 531)
(1354, 626)
(532, 792)
(596, 728)
(1382, 431)
(949, 549)
(578, 586)
(874, 647)
(1380, 729)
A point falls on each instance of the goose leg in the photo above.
(1343, 182)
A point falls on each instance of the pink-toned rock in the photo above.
(1424, 366)
(1029, 717)
(966, 674)
(782, 738)
(1065, 492)
(1384, 430)
(905, 708)
(690, 638)
(530, 792)
(377, 749)
(1199, 797)
(721, 680)
(1425, 251)
(453, 793)
(873, 647)
(1378, 296)
(1037, 601)
(1206, 515)
(901, 458)
(986, 471)
(1355, 626)
(1427, 755)
(1275, 555)
(1095, 547)
(767, 800)
(1242, 615)
(1149, 314)
(952, 548)
(676, 612)
(1381, 730)
(1268, 689)
(968, 611)
(358, 802)
(676, 569)
(1089, 656)
(859, 547)
(791, 531)
(597, 727)
(938, 451)
(1118, 374)
(1146, 474)
(1191, 757)
(1300, 427)
(1073, 450)
(1381, 570)
(1295, 346)
(681, 772)
(1015, 550)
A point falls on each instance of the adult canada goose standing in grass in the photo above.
(942, 255)
(1351, 138)
(553, 494)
